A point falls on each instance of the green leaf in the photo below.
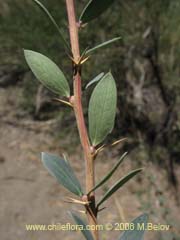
(102, 45)
(93, 9)
(117, 185)
(137, 233)
(87, 234)
(47, 72)
(107, 177)
(44, 9)
(63, 172)
(102, 109)
(96, 79)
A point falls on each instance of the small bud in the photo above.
(85, 198)
(79, 24)
(92, 149)
(71, 100)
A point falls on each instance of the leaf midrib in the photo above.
(100, 112)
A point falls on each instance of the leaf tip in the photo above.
(42, 154)
(26, 51)
(27, 54)
(43, 157)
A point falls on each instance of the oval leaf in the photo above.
(107, 177)
(63, 172)
(117, 185)
(140, 224)
(93, 9)
(102, 109)
(47, 72)
(102, 45)
(87, 234)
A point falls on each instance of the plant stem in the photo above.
(77, 103)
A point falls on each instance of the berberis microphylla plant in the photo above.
(101, 116)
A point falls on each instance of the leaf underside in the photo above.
(94, 9)
(102, 109)
(47, 72)
(63, 172)
(136, 234)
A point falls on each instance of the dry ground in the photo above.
(29, 195)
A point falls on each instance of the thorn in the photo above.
(100, 149)
(81, 60)
(62, 101)
(118, 141)
(76, 63)
(84, 60)
(81, 211)
(83, 25)
(72, 200)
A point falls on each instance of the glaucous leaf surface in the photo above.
(102, 109)
(107, 177)
(117, 185)
(137, 233)
(47, 72)
(94, 9)
(87, 234)
(63, 172)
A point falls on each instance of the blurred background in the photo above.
(145, 64)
